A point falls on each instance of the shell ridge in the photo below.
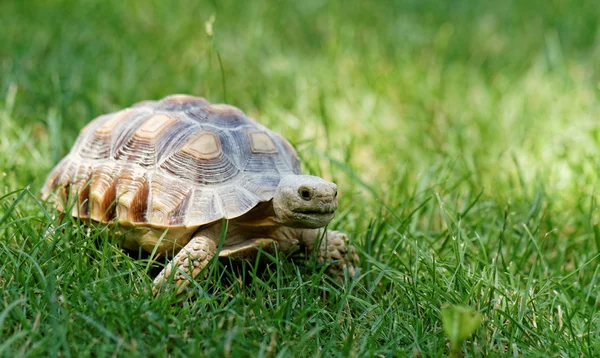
(218, 202)
(150, 196)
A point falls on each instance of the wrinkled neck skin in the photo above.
(239, 232)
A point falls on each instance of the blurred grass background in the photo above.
(445, 123)
(484, 84)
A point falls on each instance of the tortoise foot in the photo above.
(192, 258)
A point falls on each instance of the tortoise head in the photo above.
(305, 201)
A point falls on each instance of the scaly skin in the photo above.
(301, 205)
(332, 247)
(333, 251)
(192, 258)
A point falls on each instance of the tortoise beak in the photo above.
(321, 208)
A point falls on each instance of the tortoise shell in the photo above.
(177, 162)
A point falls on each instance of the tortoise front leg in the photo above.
(333, 250)
(192, 258)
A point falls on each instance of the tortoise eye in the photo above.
(305, 193)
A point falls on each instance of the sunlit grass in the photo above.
(463, 137)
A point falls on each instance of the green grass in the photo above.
(463, 136)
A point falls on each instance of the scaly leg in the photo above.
(333, 250)
(192, 258)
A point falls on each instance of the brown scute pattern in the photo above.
(179, 214)
(173, 139)
(97, 147)
(236, 201)
(221, 116)
(80, 186)
(232, 149)
(204, 145)
(124, 140)
(238, 147)
(200, 172)
(98, 143)
(132, 196)
(206, 207)
(83, 200)
(262, 186)
(108, 126)
(136, 151)
(260, 142)
(169, 200)
(142, 148)
(65, 181)
(103, 194)
(161, 177)
(154, 125)
(261, 163)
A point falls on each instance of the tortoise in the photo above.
(168, 172)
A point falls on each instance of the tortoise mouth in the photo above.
(320, 210)
(313, 220)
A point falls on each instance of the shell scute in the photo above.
(132, 196)
(142, 145)
(221, 116)
(260, 142)
(103, 193)
(168, 200)
(236, 200)
(98, 143)
(204, 146)
(201, 161)
(80, 186)
(179, 161)
(263, 186)
(206, 206)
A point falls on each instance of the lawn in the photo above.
(463, 136)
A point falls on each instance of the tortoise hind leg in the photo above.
(192, 258)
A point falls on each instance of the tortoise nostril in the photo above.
(335, 195)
